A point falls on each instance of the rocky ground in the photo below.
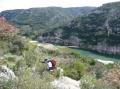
(66, 83)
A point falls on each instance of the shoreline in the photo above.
(104, 61)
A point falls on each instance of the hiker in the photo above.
(51, 64)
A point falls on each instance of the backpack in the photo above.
(53, 63)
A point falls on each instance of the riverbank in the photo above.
(105, 62)
(96, 55)
(83, 52)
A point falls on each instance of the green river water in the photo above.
(96, 55)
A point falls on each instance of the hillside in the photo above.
(9, 39)
(98, 30)
(22, 67)
(33, 21)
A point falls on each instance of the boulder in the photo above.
(6, 73)
(66, 83)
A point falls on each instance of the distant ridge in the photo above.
(38, 20)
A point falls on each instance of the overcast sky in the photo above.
(23, 4)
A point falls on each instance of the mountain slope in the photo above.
(43, 19)
(98, 30)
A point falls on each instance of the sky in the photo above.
(24, 4)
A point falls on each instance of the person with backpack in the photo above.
(51, 64)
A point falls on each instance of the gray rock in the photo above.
(6, 73)
(66, 83)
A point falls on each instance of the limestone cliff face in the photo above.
(100, 47)
(104, 48)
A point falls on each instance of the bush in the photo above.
(7, 85)
(59, 72)
(30, 57)
(11, 59)
(90, 82)
(99, 71)
(52, 52)
(102, 85)
(110, 66)
(19, 66)
(75, 70)
(75, 54)
(40, 68)
(92, 62)
(87, 82)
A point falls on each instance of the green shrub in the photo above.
(59, 72)
(87, 82)
(84, 59)
(92, 62)
(19, 66)
(75, 70)
(99, 71)
(30, 57)
(7, 84)
(75, 54)
(90, 82)
(110, 66)
(52, 52)
(40, 68)
(3, 62)
(102, 85)
(11, 59)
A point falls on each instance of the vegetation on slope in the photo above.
(30, 70)
(36, 20)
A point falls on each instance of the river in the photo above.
(96, 55)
